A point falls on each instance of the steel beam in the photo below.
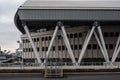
(51, 43)
(99, 43)
(65, 38)
(85, 44)
(103, 44)
(116, 51)
(32, 44)
(64, 35)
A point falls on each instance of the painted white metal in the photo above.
(103, 44)
(85, 45)
(65, 38)
(32, 44)
(99, 43)
(51, 43)
(64, 35)
(116, 51)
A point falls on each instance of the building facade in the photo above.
(76, 36)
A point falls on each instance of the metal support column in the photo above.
(116, 51)
(86, 43)
(101, 48)
(51, 43)
(103, 44)
(65, 38)
(60, 25)
(100, 41)
(32, 44)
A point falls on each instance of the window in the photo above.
(32, 49)
(49, 37)
(46, 38)
(53, 48)
(80, 46)
(117, 34)
(46, 48)
(59, 47)
(42, 38)
(26, 49)
(68, 35)
(23, 41)
(76, 47)
(111, 46)
(106, 46)
(71, 35)
(34, 39)
(38, 49)
(23, 49)
(94, 46)
(63, 47)
(111, 34)
(71, 46)
(43, 49)
(29, 50)
(75, 35)
(105, 34)
(59, 36)
(89, 46)
(37, 39)
(80, 34)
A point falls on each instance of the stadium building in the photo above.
(72, 32)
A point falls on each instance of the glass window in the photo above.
(106, 46)
(89, 46)
(59, 36)
(105, 34)
(94, 46)
(23, 41)
(46, 48)
(111, 34)
(37, 39)
(76, 47)
(38, 49)
(71, 35)
(49, 37)
(80, 46)
(34, 39)
(80, 34)
(111, 46)
(71, 46)
(42, 38)
(46, 38)
(75, 35)
(43, 49)
(117, 34)
(63, 47)
(59, 47)
(53, 48)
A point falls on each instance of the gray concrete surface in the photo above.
(68, 76)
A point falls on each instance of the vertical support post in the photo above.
(32, 44)
(86, 43)
(51, 43)
(115, 53)
(103, 43)
(65, 38)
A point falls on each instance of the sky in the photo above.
(9, 34)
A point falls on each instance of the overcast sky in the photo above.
(9, 35)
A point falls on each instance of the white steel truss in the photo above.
(99, 39)
(65, 39)
(116, 51)
(32, 44)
